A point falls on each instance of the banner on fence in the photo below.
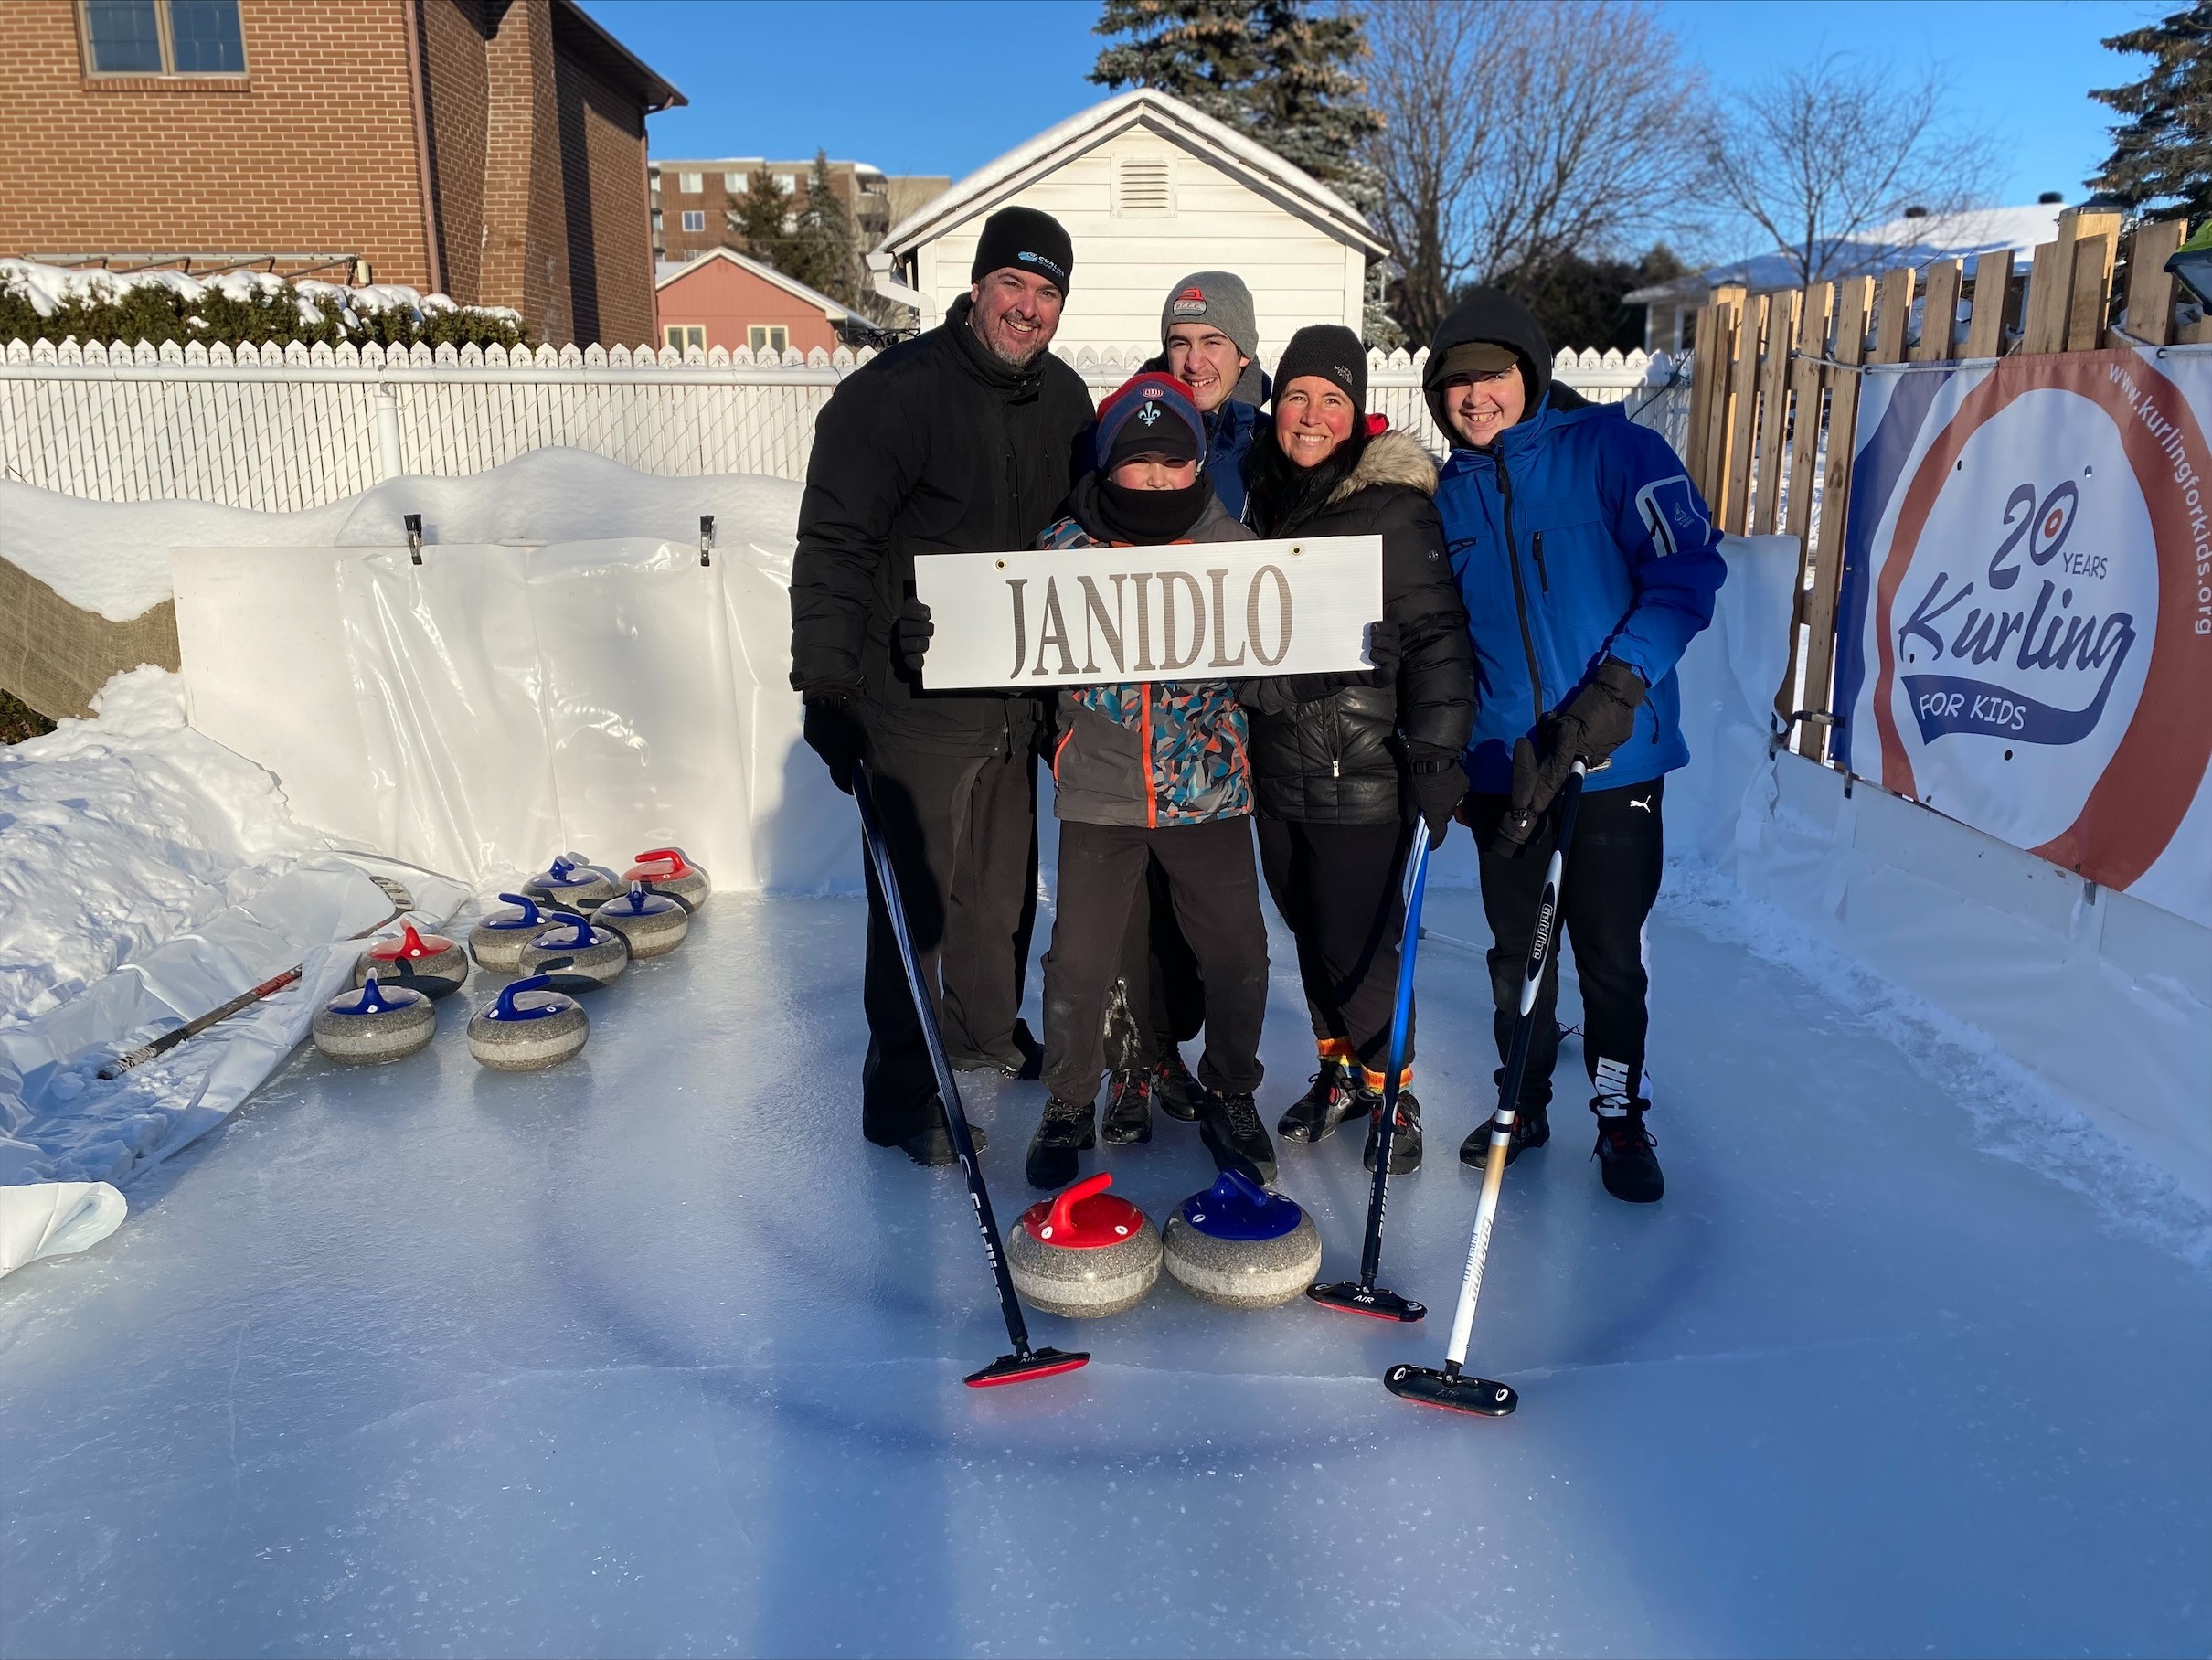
(2027, 634)
(1188, 611)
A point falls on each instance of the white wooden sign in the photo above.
(1188, 611)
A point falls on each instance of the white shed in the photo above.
(1150, 190)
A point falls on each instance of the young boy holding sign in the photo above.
(1144, 771)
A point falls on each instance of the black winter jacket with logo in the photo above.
(1340, 758)
(934, 447)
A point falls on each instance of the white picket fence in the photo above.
(282, 430)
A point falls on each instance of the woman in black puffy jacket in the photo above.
(1342, 765)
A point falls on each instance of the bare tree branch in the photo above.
(1517, 130)
(1818, 158)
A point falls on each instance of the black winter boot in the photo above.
(1330, 1100)
(1531, 1128)
(1625, 1160)
(1178, 1093)
(933, 1146)
(1066, 1128)
(1405, 1135)
(1128, 1109)
(1231, 1130)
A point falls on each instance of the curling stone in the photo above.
(571, 884)
(429, 963)
(1241, 1246)
(653, 923)
(526, 1026)
(497, 942)
(1085, 1254)
(672, 874)
(579, 956)
(375, 1024)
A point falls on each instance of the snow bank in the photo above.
(120, 832)
(51, 288)
(114, 558)
(147, 875)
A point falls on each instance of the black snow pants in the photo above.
(962, 831)
(1216, 895)
(1611, 880)
(1338, 887)
(1158, 1001)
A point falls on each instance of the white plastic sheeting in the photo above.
(62, 1126)
(497, 704)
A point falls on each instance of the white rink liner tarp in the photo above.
(495, 705)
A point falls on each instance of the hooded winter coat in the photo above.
(1576, 536)
(1157, 753)
(934, 447)
(1332, 749)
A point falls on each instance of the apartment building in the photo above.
(691, 199)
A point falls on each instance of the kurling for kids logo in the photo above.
(2044, 616)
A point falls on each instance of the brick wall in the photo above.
(455, 94)
(602, 144)
(311, 150)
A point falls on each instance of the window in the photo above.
(684, 337)
(734, 183)
(695, 218)
(787, 182)
(776, 339)
(1143, 188)
(163, 37)
(691, 184)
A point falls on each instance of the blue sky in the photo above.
(926, 86)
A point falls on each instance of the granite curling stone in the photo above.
(571, 883)
(1241, 1246)
(653, 923)
(1086, 1254)
(429, 963)
(526, 1026)
(579, 956)
(374, 1023)
(497, 941)
(672, 874)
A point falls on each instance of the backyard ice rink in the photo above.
(652, 1354)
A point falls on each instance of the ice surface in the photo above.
(654, 1355)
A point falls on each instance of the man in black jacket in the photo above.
(964, 441)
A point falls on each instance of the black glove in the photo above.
(1588, 728)
(1440, 784)
(911, 632)
(1386, 649)
(834, 732)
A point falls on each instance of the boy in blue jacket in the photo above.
(1588, 561)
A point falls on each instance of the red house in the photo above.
(722, 298)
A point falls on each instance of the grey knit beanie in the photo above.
(1218, 299)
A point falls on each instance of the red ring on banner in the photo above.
(2146, 789)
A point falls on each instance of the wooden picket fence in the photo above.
(1774, 393)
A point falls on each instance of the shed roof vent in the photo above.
(1144, 188)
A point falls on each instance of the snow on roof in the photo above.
(50, 287)
(666, 271)
(1963, 236)
(995, 181)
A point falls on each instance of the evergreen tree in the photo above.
(1577, 300)
(1269, 69)
(2162, 153)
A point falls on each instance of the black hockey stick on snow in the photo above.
(1362, 1296)
(402, 901)
(1452, 1387)
(1025, 1363)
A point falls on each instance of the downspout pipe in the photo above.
(432, 260)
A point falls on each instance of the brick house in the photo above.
(493, 150)
(722, 298)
